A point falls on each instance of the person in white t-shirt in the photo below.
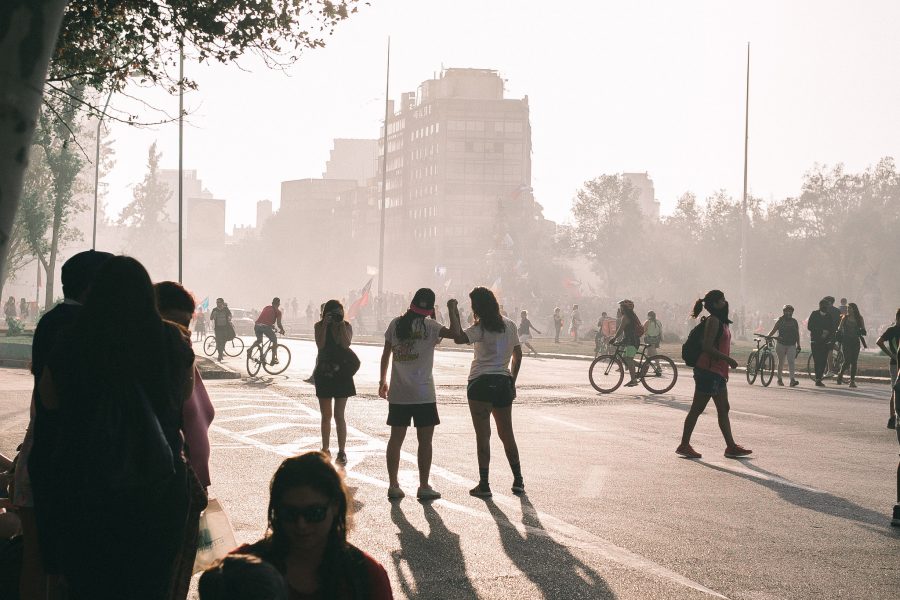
(410, 339)
(492, 382)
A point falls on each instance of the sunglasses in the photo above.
(311, 514)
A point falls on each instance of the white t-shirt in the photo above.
(411, 379)
(492, 350)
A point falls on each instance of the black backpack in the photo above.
(693, 346)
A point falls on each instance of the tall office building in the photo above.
(646, 200)
(458, 177)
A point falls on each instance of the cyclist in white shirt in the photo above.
(492, 382)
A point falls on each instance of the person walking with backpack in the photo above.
(851, 332)
(652, 334)
(411, 339)
(708, 350)
(788, 345)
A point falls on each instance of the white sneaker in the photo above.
(395, 493)
(428, 493)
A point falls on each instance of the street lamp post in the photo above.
(387, 94)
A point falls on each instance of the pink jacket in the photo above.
(198, 414)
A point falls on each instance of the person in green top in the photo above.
(652, 334)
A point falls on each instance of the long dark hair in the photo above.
(853, 309)
(423, 299)
(707, 302)
(340, 561)
(123, 338)
(487, 309)
(330, 306)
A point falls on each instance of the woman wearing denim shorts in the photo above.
(711, 375)
(492, 382)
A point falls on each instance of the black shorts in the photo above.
(422, 415)
(499, 390)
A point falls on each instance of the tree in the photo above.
(146, 219)
(607, 227)
(56, 138)
(107, 42)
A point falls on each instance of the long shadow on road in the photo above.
(435, 561)
(810, 499)
(546, 562)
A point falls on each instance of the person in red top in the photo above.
(307, 535)
(265, 326)
(711, 375)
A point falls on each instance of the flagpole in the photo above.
(743, 260)
(387, 95)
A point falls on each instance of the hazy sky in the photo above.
(652, 85)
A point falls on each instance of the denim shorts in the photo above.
(499, 390)
(708, 382)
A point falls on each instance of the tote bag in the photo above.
(216, 537)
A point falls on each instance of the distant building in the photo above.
(352, 159)
(192, 187)
(458, 172)
(207, 220)
(263, 212)
(647, 201)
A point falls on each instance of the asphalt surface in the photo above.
(610, 510)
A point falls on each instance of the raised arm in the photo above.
(458, 335)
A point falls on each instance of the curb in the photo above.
(209, 369)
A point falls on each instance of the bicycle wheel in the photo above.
(209, 345)
(254, 360)
(660, 374)
(838, 360)
(284, 359)
(606, 373)
(766, 369)
(234, 347)
(752, 367)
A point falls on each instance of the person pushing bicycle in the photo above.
(265, 326)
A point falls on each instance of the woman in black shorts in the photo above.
(333, 333)
(411, 339)
(492, 382)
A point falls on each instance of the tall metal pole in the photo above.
(743, 260)
(97, 169)
(387, 95)
(180, 155)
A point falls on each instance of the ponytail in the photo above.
(405, 324)
(698, 308)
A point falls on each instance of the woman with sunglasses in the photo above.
(307, 535)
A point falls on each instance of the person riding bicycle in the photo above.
(265, 326)
(628, 336)
(606, 329)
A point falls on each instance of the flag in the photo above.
(204, 306)
(447, 285)
(360, 302)
(496, 288)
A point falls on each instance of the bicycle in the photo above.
(761, 361)
(657, 373)
(233, 347)
(830, 370)
(261, 356)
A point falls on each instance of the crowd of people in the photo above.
(113, 472)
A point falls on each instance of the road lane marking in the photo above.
(749, 414)
(573, 536)
(592, 486)
(567, 423)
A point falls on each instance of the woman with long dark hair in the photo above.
(333, 333)
(851, 331)
(119, 379)
(711, 375)
(492, 382)
(411, 339)
(307, 535)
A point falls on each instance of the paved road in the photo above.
(611, 512)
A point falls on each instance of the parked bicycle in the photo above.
(262, 356)
(761, 361)
(233, 347)
(832, 367)
(657, 373)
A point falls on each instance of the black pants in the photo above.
(222, 335)
(820, 358)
